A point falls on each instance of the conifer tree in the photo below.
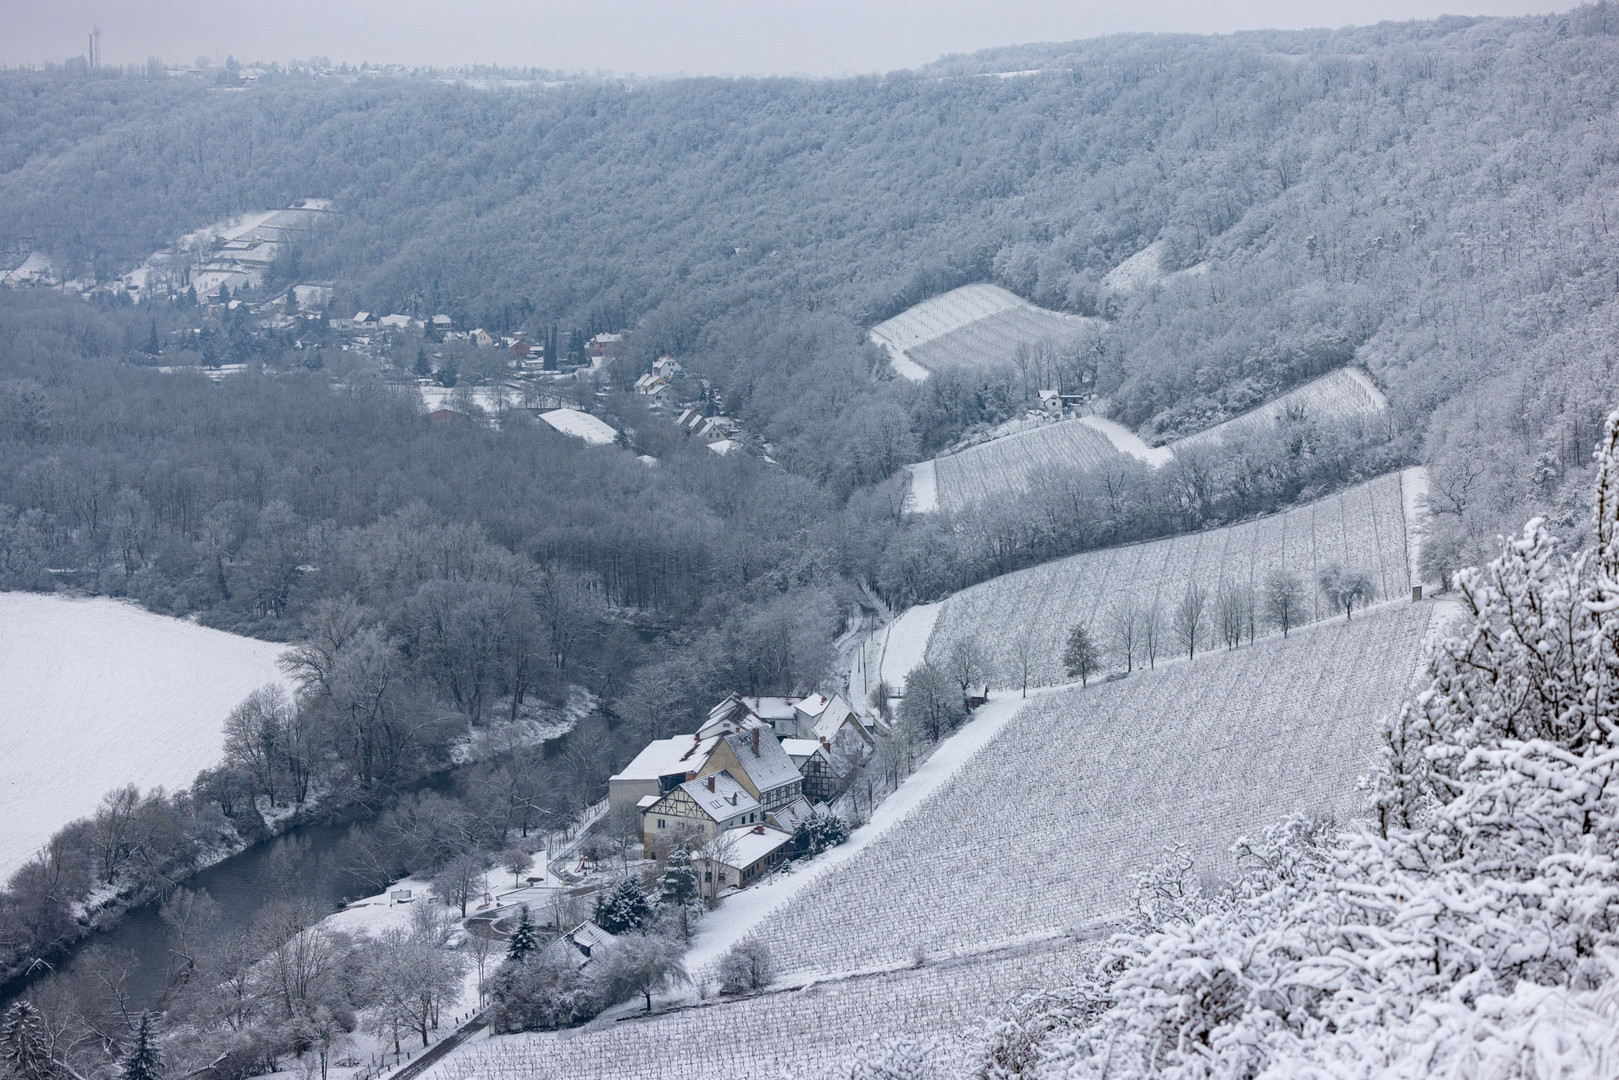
(523, 941)
(143, 1062)
(22, 1043)
(678, 890)
(622, 908)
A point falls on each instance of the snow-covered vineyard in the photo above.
(973, 327)
(1047, 825)
(1008, 465)
(805, 1032)
(1364, 528)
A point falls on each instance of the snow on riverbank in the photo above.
(99, 693)
(741, 913)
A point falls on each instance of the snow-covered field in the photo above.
(1361, 528)
(975, 326)
(1046, 827)
(811, 1032)
(1342, 393)
(98, 693)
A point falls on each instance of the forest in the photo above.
(1426, 200)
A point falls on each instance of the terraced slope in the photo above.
(1362, 528)
(1009, 464)
(1338, 394)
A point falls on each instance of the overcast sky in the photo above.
(648, 37)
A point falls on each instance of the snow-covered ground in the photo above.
(923, 496)
(1126, 441)
(99, 693)
(1142, 268)
(906, 642)
(593, 430)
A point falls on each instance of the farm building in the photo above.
(756, 760)
(814, 763)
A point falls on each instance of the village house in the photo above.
(605, 346)
(756, 760)
(739, 857)
(583, 943)
(696, 811)
(443, 323)
(657, 770)
(813, 761)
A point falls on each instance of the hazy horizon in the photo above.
(646, 37)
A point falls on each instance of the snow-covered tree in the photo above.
(623, 908)
(522, 942)
(143, 1060)
(680, 893)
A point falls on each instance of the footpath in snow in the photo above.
(744, 911)
(1126, 441)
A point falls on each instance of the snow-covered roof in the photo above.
(605, 339)
(442, 320)
(395, 320)
(770, 708)
(800, 749)
(763, 759)
(725, 800)
(831, 719)
(362, 316)
(668, 757)
(723, 446)
(812, 705)
(788, 817)
(646, 801)
(587, 936)
(592, 429)
(748, 845)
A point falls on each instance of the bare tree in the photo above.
(514, 860)
(461, 880)
(1284, 600)
(1024, 651)
(1124, 619)
(1189, 618)
(1344, 589)
(644, 964)
(966, 665)
(1152, 633)
(1230, 615)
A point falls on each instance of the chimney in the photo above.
(711, 781)
(690, 775)
(755, 742)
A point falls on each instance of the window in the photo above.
(708, 875)
(661, 823)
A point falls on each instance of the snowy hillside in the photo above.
(1033, 829)
(99, 693)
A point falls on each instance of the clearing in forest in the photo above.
(975, 327)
